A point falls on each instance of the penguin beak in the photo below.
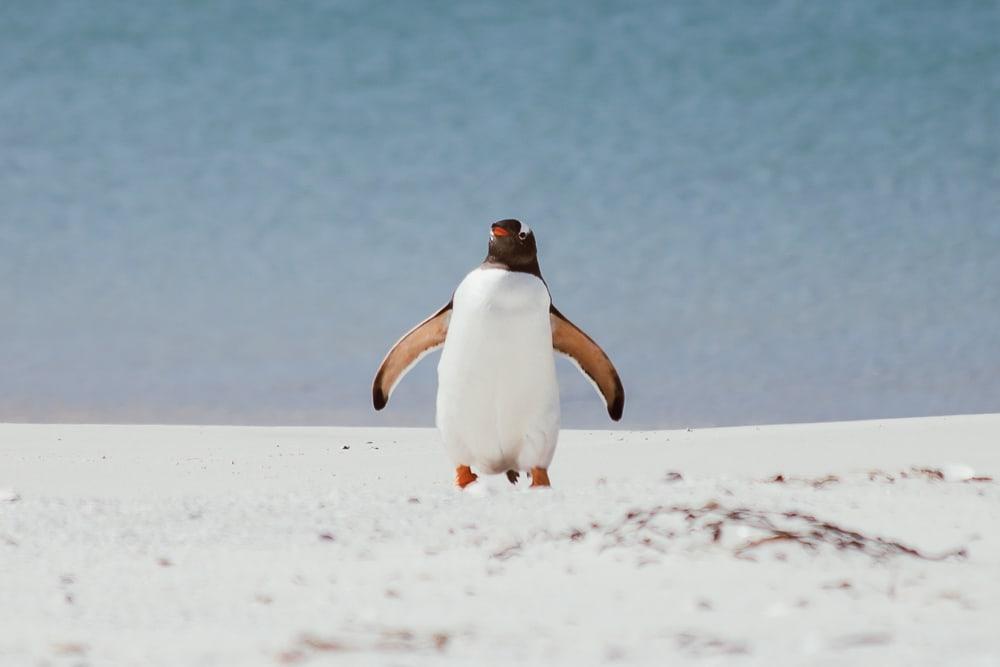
(499, 232)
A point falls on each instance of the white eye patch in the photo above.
(525, 230)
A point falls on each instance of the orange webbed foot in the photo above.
(464, 476)
(539, 477)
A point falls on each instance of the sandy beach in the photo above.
(870, 542)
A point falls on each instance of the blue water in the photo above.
(765, 211)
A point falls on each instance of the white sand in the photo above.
(158, 545)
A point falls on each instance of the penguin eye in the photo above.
(522, 235)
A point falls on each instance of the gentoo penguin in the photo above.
(498, 399)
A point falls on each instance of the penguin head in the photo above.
(512, 243)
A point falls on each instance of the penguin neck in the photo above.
(493, 262)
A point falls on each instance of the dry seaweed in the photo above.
(643, 527)
(815, 482)
(388, 640)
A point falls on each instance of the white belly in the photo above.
(498, 399)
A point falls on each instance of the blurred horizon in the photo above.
(768, 212)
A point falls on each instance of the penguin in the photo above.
(498, 397)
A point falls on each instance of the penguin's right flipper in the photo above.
(419, 341)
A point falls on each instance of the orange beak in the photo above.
(500, 231)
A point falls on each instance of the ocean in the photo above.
(226, 212)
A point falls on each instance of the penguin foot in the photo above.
(539, 477)
(464, 476)
(513, 476)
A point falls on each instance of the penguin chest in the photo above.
(498, 400)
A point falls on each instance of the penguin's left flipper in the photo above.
(588, 356)
(419, 341)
